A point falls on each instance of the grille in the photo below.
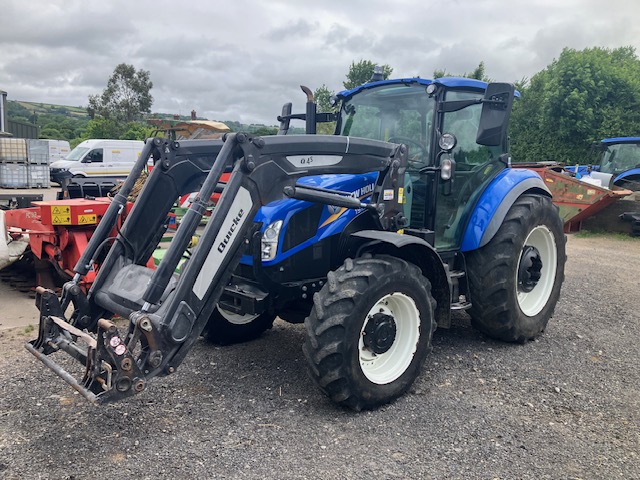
(302, 226)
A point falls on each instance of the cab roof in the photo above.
(609, 141)
(446, 81)
(449, 82)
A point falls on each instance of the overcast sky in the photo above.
(241, 60)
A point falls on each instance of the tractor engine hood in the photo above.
(358, 186)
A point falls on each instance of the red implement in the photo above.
(58, 233)
(576, 199)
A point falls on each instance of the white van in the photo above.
(98, 158)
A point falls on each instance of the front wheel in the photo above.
(515, 279)
(227, 328)
(369, 331)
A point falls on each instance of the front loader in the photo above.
(167, 312)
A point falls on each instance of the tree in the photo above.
(522, 84)
(322, 96)
(361, 72)
(103, 128)
(127, 96)
(113, 129)
(581, 97)
(264, 130)
(478, 73)
(50, 132)
(437, 73)
(136, 131)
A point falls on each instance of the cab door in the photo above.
(93, 163)
(475, 166)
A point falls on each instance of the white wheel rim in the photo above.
(531, 303)
(386, 367)
(236, 318)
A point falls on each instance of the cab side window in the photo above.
(94, 155)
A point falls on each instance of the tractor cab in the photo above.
(621, 158)
(441, 123)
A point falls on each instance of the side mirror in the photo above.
(86, 159)
(285, 119)
(496, 110)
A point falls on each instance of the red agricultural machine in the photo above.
(52, 236)
(577, 199)
(42, 243)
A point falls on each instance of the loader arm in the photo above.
(167, 312)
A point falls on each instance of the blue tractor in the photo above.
(372, 237)
(494, 229)
(620, 157)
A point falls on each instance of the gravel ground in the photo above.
(566, 406)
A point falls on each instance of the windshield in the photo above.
(76, 154)
(393, 113)
(620, 158)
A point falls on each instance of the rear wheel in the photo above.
(369, 331)
(515, 279)
(226, 328)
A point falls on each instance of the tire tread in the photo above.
(490, 271)
(325, 347)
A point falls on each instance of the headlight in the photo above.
(270, 238)
(447, 141)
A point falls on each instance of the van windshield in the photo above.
(76, 154)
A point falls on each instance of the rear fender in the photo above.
(495, 202)
(633, 175)
(419, 252)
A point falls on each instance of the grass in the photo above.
(44, 108)
(625, 237)
(28, 329)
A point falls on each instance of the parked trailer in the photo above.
(576, 199)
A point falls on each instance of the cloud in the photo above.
(243, 60)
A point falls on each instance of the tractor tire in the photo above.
(515, 279)
(226, 328)
(369, 331)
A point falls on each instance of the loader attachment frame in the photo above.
(167, 312)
